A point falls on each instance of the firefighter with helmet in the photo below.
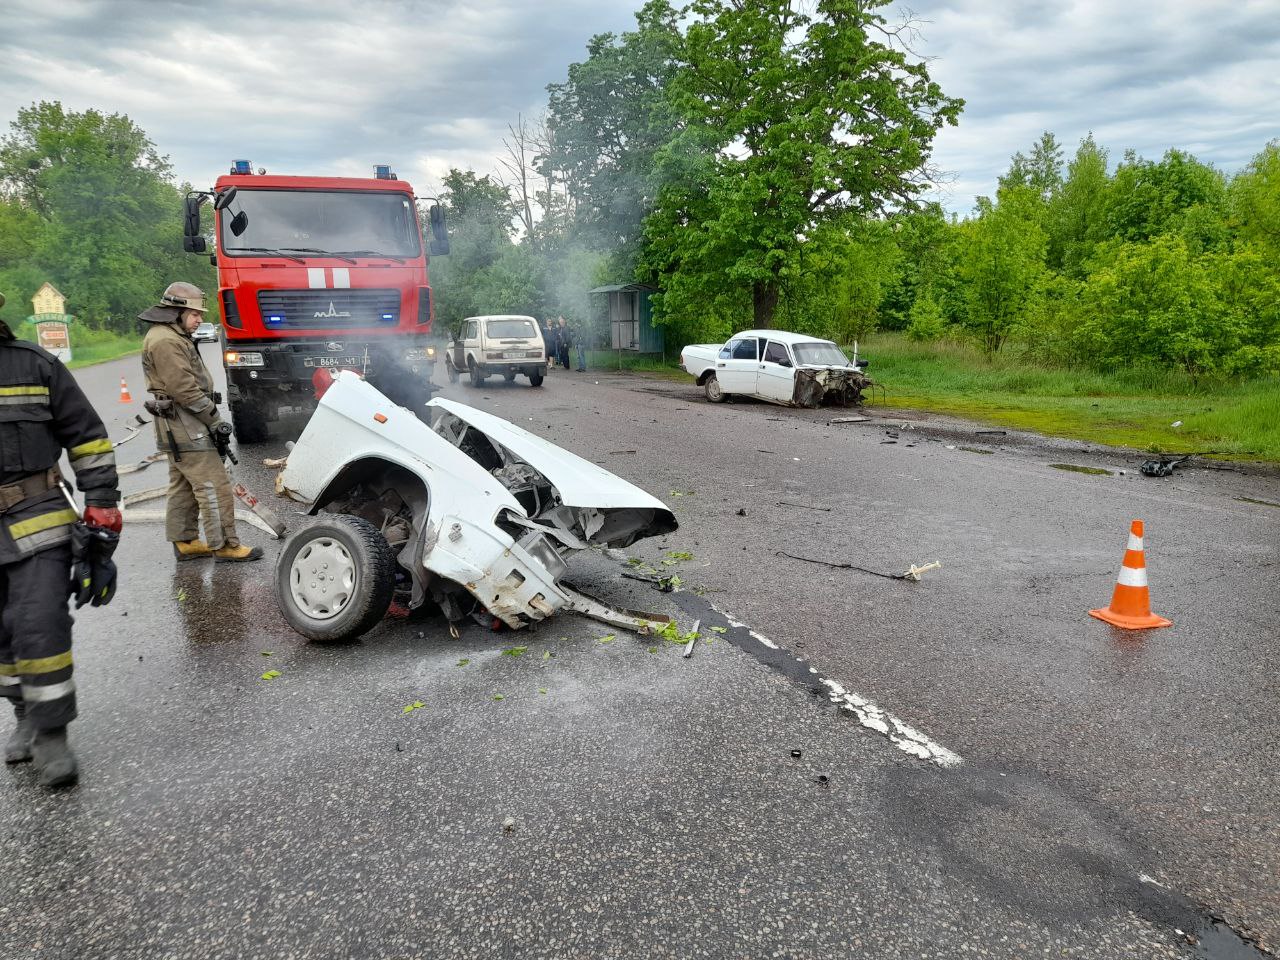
(43, 412)
(190, 431)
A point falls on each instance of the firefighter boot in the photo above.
(17, 748)
(237, 554)
(55, 763)
(191, 550)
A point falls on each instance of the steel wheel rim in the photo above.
(322, 578)
(713, 388)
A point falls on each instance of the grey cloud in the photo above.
(1148, 75)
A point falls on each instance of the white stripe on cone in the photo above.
(1135, 542)
(1132, 578)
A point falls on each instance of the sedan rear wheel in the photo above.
(335, 579)
(712, 389)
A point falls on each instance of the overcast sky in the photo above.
(327, 87)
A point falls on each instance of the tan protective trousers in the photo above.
(198, 484)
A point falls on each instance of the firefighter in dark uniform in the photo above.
(42, 413)
(190, 431)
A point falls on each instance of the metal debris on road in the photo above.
(803, 506)
(693, 638)
(1163, 466)
(913, 573)
(848, 420)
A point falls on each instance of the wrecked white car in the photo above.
(471, 513)
(792, 369)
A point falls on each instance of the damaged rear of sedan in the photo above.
(791, 369)
(472, 513)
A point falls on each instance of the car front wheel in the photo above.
(335, 579)
(712, 389)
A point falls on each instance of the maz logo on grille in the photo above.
(332, 312)
(334, 345)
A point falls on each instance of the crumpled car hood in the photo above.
(816, 386)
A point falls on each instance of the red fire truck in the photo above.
(316, 273)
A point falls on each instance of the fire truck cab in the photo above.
(318, 273)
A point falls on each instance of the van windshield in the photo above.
(511, 329)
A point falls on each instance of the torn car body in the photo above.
(477, 512)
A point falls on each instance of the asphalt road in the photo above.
(1115, 792)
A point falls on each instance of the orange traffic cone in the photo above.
(1131, 603)
(124, 392)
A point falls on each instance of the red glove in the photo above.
(106, 517)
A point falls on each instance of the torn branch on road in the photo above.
(912, 573)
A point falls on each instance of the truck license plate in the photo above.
(333, 361)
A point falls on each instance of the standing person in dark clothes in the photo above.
(551, 338)
(564, 340)
(43, 412)
(580, 343)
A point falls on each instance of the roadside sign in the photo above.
(55, 337)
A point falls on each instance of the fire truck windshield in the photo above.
(314, 221)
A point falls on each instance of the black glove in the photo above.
(221, 433)
(93, 573)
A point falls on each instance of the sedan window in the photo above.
(777, 353)
(726, 352)
(744, 349)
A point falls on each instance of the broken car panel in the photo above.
(476, 513)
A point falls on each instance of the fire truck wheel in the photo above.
(335, 579)
(250, 422)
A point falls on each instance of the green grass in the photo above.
(89, 346)
(1131, 408)
(102, 352)
(625, 360)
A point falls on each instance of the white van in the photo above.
(508, 345)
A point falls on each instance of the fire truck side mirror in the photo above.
(439, 245)
(192, 241)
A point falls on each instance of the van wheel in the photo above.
(535, 379)
(477, 377)
(334, 580)
(712, 389)
(451, 370)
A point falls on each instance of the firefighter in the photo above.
(190, 431)
(43, 412)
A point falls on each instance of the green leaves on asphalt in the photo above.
(608, 638)
(514, 651)
(679, 556)
(463, 662)
(416, 705)
(499, 696)
(271, 675)
(718, 629)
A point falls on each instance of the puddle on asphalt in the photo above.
(1076, 468)
(1215, 940)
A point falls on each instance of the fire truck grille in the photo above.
(324, 309)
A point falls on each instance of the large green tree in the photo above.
(793, 115)
(97, 209)
(605, 124)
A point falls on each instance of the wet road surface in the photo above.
(1115, 791)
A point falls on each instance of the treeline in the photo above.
(89, 205)
(765, 164)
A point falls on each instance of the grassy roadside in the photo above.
(1132, 408)
(1129, 409)
(102, 353)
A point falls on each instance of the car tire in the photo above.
(477, 378)
(451, 370)
(711, 387)
(362, 571)
(535, 379)
(249, 421)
